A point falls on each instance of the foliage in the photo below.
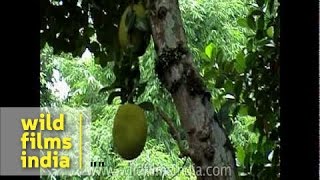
(251, 80)
(160, 155)
(236, 47)
(213, 22)
(72, 26)
(46, 70)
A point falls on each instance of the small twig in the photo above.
(175, 134)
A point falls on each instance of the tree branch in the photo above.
(174, 132)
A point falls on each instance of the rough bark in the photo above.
(209, 147)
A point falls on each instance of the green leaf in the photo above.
(228, 86)
(252, 148)
(250, 44)
(242, 22)
(251, 127)
(243, 110)
(251, 22)
(240, 64)
(204, 57)
(148, 106)
(241, 155)
(210, 50)
(270, 31)
(229, 66)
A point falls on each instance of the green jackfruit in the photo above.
(134, 30)
(129, 131)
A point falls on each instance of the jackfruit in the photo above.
(134, 30)
(129, 131)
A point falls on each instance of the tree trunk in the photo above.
(209, 147)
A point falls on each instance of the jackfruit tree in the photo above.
(208, 144)
(118, 34)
